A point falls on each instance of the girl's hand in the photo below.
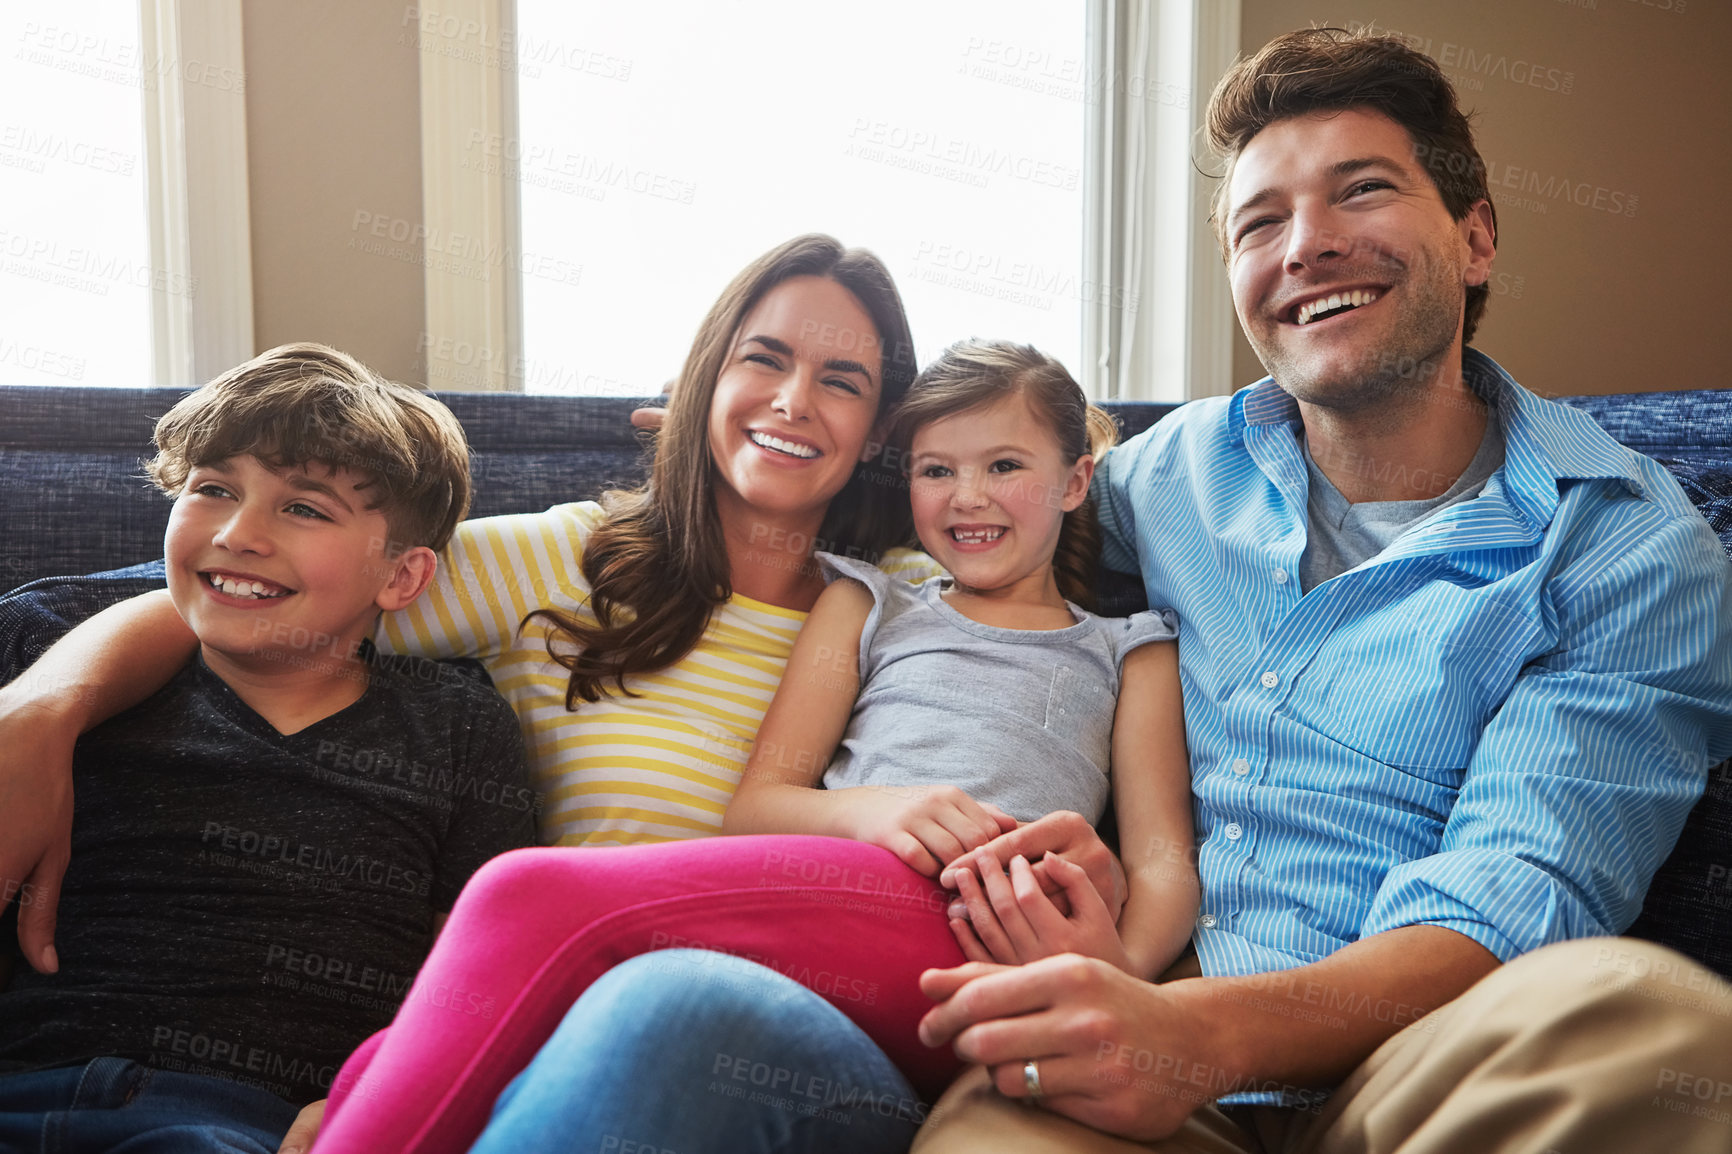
(1012, 921)
(927, 827)
(1061, 833)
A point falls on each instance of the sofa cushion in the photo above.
(1689, 904)
(1709, 487)
(34, 616)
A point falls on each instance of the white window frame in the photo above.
(1147, 238)
(196, 188)
(1159, 326)
(461, 96)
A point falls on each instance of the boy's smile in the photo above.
(277, 565)
(246, 586)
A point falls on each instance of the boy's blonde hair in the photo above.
(304, 402)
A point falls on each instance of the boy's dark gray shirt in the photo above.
(253, 905)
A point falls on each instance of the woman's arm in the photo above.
(493, 573)
(104, 666)
(926, 827)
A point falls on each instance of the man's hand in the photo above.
(1067, 834)
(300, 1137)
(1011, 921)
(1114, 1052)
(36, 743)
(648, 419)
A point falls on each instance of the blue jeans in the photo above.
(98, 1106)
(690, 1051)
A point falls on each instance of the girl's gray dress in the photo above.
(1020, 718)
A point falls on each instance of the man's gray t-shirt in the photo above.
(1019, 718)
(1342, 535)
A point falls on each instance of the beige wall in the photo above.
(334, 132)
(1587, 299)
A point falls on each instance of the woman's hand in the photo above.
(35, 816)
(305, 1128)
(1011, 920)
(1063, 833)
(927, 827)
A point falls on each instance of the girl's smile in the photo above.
(990, 488)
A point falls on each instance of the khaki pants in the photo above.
(1604, 1044)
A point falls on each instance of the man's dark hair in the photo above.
(1329, 69)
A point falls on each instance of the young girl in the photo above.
(939, 717)
(942, 715)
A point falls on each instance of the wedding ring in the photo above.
(1031, 1080)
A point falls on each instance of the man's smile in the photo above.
(1327, 305)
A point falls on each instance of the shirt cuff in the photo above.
(1506, 904)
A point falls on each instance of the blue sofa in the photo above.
(74, 500)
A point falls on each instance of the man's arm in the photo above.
(1583, 778)
(1136, 1059)
(105, 666)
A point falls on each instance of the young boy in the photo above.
(264, 850)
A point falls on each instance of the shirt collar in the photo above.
(1544, 442)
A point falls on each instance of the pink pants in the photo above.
(533, 928)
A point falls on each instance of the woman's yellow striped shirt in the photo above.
(655, 767)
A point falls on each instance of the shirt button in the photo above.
(1241, 766)
(1207, 921)
(1271, 679)
(1280, 576)
(1233, 831)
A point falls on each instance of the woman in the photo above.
(672, 608)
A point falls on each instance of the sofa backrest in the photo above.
(74, 498)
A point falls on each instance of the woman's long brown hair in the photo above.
(657, 566)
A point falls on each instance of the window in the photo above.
(123, 168)
(76, 279)
(1024, 169)
(662, 147)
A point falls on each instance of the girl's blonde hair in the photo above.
(973, 373)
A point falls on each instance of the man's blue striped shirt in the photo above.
(1497, 725)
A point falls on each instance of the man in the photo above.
(1455, 664)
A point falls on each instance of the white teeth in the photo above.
(976, 536)
(236, 588)
(1353, 299)
(781, 446)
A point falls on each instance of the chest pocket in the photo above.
(1073, 698)
(1416, 689)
